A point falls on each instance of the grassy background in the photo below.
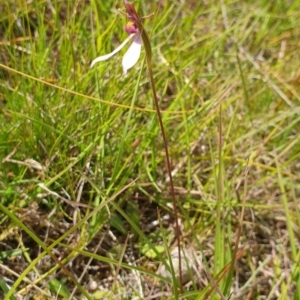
(227, 75)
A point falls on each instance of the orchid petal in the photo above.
(133, 53)
(107, 56)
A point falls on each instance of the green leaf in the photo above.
(59, 288)
(11, 253)
(150, 253)
(5, 289)
(117, 223)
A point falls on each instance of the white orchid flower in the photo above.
(131, 56)
(136, 32)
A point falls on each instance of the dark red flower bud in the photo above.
(131, 12)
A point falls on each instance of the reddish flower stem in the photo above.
(134, 17)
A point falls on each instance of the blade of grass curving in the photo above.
(228, 283)
(289, 221)
(110, 103)
(213, 286)
(115, 262)
(5, 288)
(219, 183)
(47, 250)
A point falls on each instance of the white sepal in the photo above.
(133, 53)
(107, 56)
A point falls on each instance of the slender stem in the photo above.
(134, 17)
(177, 230)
